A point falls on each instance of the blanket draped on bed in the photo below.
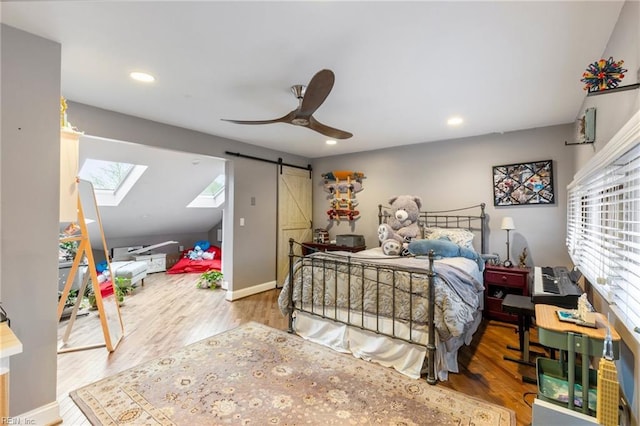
(387, 287)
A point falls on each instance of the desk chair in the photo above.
(525, 310)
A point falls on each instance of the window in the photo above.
(212, 196)
(111, 180)
(603, 222)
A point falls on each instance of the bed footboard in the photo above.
(339, 289)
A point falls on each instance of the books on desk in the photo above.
(572, 316)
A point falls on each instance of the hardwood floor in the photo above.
(168, 312)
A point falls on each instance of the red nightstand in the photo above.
(498, 282)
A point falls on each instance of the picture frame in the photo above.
(523, 184)
(586, 126)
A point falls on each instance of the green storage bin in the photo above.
(553, 385)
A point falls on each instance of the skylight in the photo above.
(111, 180)
(212, 196)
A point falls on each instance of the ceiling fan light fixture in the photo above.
(455, 121)
(299, 121)
(331, 142)
(142, 76)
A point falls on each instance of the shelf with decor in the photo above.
(604, 76)
(615, 89)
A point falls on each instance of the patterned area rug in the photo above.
(257, 375)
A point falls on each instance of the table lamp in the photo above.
(507, 225)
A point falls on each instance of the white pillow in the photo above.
(460, 236)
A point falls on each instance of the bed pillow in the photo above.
(460, 236)
(443, 248)
(203, 244)
(215, 250)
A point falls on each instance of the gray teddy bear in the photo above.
(402, 226)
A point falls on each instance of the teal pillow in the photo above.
(442, 247)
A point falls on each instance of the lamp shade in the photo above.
(507, 223)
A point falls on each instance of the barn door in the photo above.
(294, 214)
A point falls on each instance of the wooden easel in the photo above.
(112, 332)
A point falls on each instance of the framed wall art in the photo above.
(523, 183)
(586, 127)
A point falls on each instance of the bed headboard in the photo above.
(472, 218)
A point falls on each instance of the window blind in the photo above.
(603, 222)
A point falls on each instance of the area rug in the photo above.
(257, 375)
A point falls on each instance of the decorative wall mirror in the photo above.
(91, 235)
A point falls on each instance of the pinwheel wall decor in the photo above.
(603, 74)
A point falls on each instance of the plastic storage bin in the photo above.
(553, 385)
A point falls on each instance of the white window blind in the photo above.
(603, 222)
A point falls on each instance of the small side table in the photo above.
(9, 345)
(523, 307)
(499, 282)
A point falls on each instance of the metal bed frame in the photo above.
(443, 219)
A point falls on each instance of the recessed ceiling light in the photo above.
(331, 142)
(454, 121)
(142, 76)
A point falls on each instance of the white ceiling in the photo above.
(402, 68)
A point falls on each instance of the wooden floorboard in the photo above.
(169, 312)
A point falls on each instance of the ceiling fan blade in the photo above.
(316, 92)
(285, 119)
(327, 131)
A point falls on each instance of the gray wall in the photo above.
(213, 235)
(458, 173)
(256, 239)
(29, 202)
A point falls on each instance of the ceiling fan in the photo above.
(309, 100)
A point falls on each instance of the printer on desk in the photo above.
(350, 240)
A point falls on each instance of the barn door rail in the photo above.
(279, 162)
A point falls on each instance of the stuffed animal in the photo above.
(402, 225)
(195, 254)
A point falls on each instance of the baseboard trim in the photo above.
(239, 294)
(44, 415)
